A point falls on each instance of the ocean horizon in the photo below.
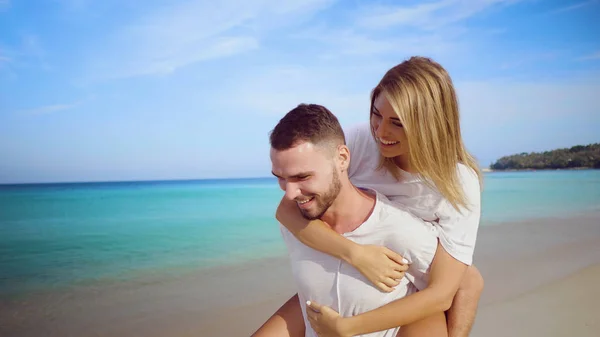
(58, 235)
(233, 179)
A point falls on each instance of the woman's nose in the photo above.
(381, 129)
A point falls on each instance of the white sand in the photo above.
(540, 281)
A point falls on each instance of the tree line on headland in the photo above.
(580, 156)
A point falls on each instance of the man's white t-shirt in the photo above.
(330, 281)
(457, 230)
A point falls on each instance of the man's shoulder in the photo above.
(394, 210)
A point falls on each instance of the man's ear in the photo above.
(344, 157)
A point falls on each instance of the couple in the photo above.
(400, 194)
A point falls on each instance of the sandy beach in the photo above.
(541, 280)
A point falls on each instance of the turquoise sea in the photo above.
(60, 235)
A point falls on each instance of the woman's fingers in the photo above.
(383, 287)
(390, 282)
(397, 275)
(399, 259)
(401, 267)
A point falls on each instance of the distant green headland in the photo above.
(580, 156)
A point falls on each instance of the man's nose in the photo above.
(291, 191)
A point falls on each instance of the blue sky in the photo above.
(131, 89)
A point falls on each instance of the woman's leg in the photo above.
(461, 315)
(432, 326)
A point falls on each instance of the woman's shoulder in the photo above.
(467, 176)
(358, 132)
(360, 143)
(469, 182)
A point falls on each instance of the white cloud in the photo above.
(502, 117)
(43, 110)
(527, 58)
(592, 56)
(276, 90)
(501, 101)
(4, 58)
(349, 42)
(178, 35)
(574, 7)
(427, 16)
(431, 29)
(27, 53)
(74, 4)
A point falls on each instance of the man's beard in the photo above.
(322, 203)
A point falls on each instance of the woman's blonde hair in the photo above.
(422, 94)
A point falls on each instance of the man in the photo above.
(310, 159)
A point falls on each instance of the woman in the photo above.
(411, 151)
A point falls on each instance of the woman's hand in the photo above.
(288, 213)
(325, 321)
(381, 266)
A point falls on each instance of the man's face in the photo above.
(308, 175)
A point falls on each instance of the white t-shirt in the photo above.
(457, 230)
(330, 281)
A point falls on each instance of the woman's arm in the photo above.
(445, 277)
(378, 264)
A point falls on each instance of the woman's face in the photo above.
(389, 133)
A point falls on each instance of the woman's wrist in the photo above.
(349, 326)
(352, 253)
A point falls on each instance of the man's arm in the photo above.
(287, 321)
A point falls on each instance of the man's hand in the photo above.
(381, 266)
(325, 321)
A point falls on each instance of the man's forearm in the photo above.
(287, 321)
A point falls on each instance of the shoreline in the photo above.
(489, 170)
(517, 259)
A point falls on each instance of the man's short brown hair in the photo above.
(307, 123)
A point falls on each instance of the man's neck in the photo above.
(350, 209)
